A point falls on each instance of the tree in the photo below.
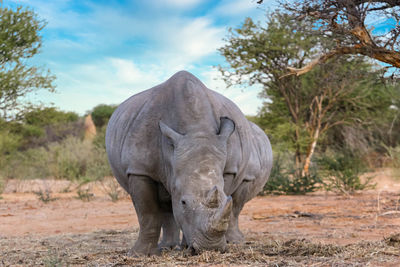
(346, 22)
(44, 116)
(301, 110)
(102, 113)
(19, 41)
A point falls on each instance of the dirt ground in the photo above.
(318, 229)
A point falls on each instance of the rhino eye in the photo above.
(183, 202)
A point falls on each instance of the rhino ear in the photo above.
(227, 127)
(168, 132)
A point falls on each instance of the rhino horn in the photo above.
(220, 222)
(213, 198)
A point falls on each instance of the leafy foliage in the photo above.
(342, 173)
(71, 159)
(19, 41)
(44, 116)
(102, 113)
(287, 181)
(38, 127)
(351, 25)
(304, 111)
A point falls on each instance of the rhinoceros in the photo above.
(190, 160)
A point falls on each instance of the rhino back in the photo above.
(133, 138)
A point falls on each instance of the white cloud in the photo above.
(187, 41)
(175, 40)
(126, 71)
(115, 79)
(246, 98)
(108, 81)
(109, 52)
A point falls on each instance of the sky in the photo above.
(102, 52)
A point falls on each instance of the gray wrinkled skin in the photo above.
(190, 161)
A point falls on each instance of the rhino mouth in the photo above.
(203, 242)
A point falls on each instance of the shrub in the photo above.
(288, 181)
(112, 189)
(45, 195)
(84, 190)
(84, 194)
(41, 134)
(9, 143)
(342, 173)
(100, 139)
(43, 116)
(102, 113)
(71, 159)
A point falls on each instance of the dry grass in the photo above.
(109, 248)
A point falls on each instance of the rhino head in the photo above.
(199, 204)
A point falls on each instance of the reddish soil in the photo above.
(318, 229)
(329, 219)
(321, 217)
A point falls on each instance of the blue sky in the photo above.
(105, 51)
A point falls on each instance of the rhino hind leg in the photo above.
(143, 191)
(170, 232)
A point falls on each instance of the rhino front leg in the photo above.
(246, 191)
(233, 234)
(143, 191)
(170, 230)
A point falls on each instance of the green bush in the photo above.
(102, 113)
(43, 116)
(342, 173)
(286, 180)
(100, 139)
(43, 126)
(9, 143)
(71, 159)
(29, 164)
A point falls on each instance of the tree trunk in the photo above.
(306, 169)
(298, 158)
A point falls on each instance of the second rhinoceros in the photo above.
(190, 160)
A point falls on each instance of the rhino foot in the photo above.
(143, 250)
(234, 236)
(168, 245)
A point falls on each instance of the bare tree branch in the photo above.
(344, 21)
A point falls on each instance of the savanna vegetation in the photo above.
(48, 143)
(37, 141)
(327, 126)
